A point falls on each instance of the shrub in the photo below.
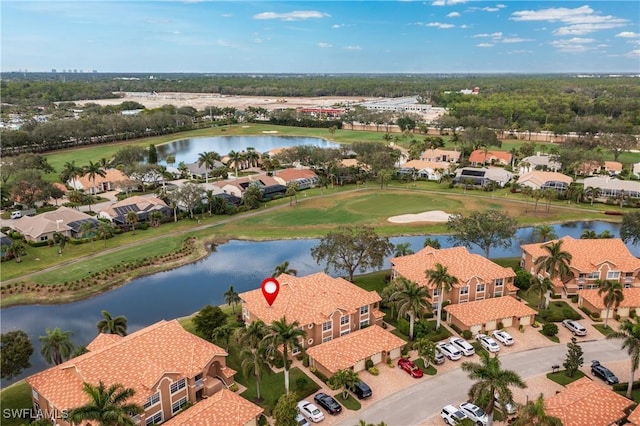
(301, 382)
(585, 310)
(368, 364)
(456, 328)
(466, 334)
(405, 350)
(500, 325)
(305, 361)
(550, 329)
(595, 316)
(373, 370)
(569, 313)
(556, 296)
(574, 298)
(523, 279)
(623, 386)
(233, 387)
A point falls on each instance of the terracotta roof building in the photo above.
(480, 158)
(592, 260)
(65, 220)
(490, 314)
(223, 408)
(438, 155)
(304, 178)
(478, 277)
(584, 402)
(354, 349)
(167, 366)
(101, 184)
(325, 307)
(544, 162)
(594, 302)
(634, 417)
(538, 179)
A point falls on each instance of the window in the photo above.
(464, 290)
(34, 394)
(364, 323)
(176, 386)
(594, 275)
(155, 419)
(326, 339)
(326, 326)
(499, 282)
(152, 400)
(344, 332)
(364, 310)
(480, 288)
(498, 294)
(344, 320)
(177, 406)
(613, 275)
(436, 292)
(44, 238)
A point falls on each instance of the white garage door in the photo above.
(359, 366)
(377, 358)
(395, 353)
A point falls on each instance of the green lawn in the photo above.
(374, 281)
(351, 403)
(554, 339)
(561, 377)
(601, 328)
(16, 396)
(430, 371)
(558, 309)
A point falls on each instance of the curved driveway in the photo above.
(415, 404)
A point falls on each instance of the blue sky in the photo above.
(437, 36)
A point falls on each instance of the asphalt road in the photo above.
(419, 402)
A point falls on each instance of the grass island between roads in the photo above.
(97, 266)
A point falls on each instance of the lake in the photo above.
(182, 291)
(187, 150)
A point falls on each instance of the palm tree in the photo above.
(254, 363)
(111, 325)
(613, 296)
(104, 231)
(223, 333)
(56, 346)
(588, 234)
(345, 379)
(17, 249)
(533, 413)
(252, 335)
(443, 282)
(283, 268)
(629, 332)
(287, 335)
(410, 299)
(107, 406)
(555, 263)
(209, 160)
(592, 193)
(491, 380)
(87, 228)
(426, 350)
(431, 242)
(232, 298)
(544, 233)
(70, 171)
(403, 249)
(93, 170)
(132, 218)
(292, 190)
(544, 287)
(61, 240)
(236, 158)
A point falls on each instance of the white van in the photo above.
(16, 215)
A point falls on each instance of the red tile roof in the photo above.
(483, 311)
(459, 262)
(631, 298)
(421, 165)
(111, 175)
(584, 402)
(136, 361)
(291, 174)
(309, 300)
(589, 254)
(346, 351)
(434, 154)
(478, 156)
(223, 408)
(634, 417)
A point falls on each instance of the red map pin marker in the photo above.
(270, 289)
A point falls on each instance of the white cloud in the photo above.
(440, 25)
(336, 26)
(578, 21)
(298, 15)
(438, 3)
(633, 54)
(352, 48)
(324, 45)
(490, 9)
(227, 15)
(465, 26)
(573, 45)
(486, 35)
(519, 52)
(628, 34)
(447, 2)
(500, 6)
(516, 40)
(485, 44)
(453, 15)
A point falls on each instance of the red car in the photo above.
(410, 367)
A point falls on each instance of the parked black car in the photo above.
(328, 403)
(362, 390)
(603, 372)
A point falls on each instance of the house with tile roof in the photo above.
(325, 307)
(538, 179)
(222, 408)
(612, 188)
(303, 178)
(592, 260)
(478, 277)
(544, 162)
(430, 170)
(591, 168)
(584, 402)
(438, 155)
(167, 366)
(354, 349)
(480, 158)
(634, 417)
(482, 176)
(490, 314)
(108, 182)
(267, 184)
(591, 300)
(65, 220)
(636, 170)
(143, 207)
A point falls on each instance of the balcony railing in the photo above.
(199, 384)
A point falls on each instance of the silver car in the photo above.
(463, 346)
(449, 351)
(575, 327)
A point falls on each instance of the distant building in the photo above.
(483, 176)
(538, 179)
(539, 162)
(481, 158)
(612, 188)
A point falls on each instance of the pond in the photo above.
(182, 291)
(187, 150)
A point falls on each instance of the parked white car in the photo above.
(310, 411)
(503, 337)
(463, 346)
(452, 415)
(301, 421)
(475, 413)
(488, 343)
(575, 327)
(509, 407)
(449, 351)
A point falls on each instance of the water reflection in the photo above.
(182, 291)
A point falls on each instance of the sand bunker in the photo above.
(430, 216)
(269, 131)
